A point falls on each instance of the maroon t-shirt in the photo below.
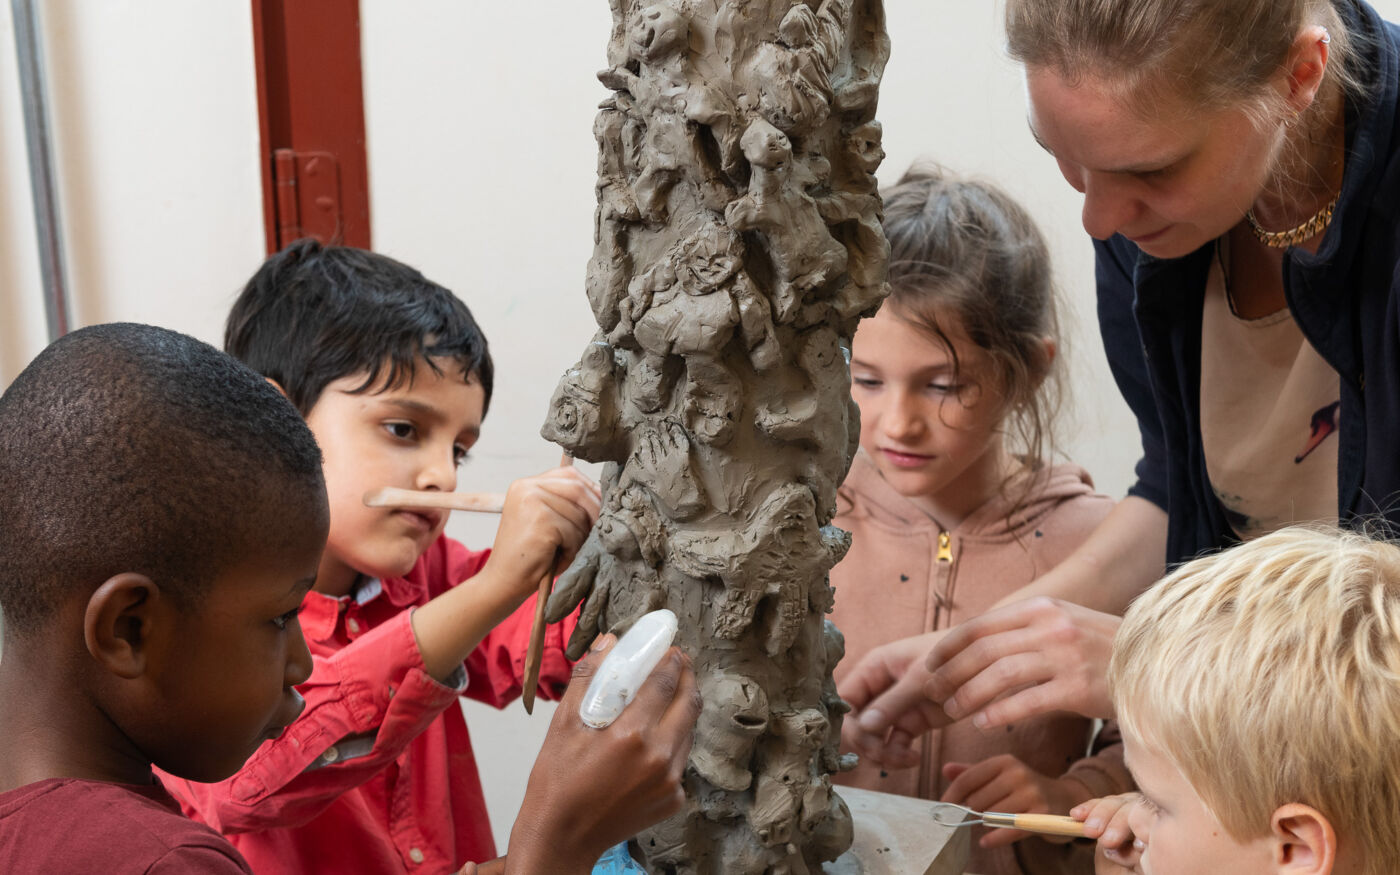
(67, 825)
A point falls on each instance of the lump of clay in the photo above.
(662, 463)
(729, 729)
(763, 561)
(585, 416)
(804, 254)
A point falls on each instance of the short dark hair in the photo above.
(313, 314)
(130, 448)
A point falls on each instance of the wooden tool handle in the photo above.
(1045, 824)
(535, 653)
(481, 502)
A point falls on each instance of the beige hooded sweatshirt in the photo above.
(905, 576)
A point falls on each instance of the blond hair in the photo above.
(1269, 674)
(1211, 53)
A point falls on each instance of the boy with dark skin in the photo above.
(165, 516)
(150, 613)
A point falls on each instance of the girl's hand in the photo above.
(888, 682)
(1004, 783)
(1106, 819)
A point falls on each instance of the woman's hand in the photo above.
(1015, 662)
(1022, 660)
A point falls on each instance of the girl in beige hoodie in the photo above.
(950, 503)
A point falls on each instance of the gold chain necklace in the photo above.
(1293, 236)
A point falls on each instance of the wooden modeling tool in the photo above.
(480, 502)
(536, 651)
(949, 814)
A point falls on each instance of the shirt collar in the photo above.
(320, 613)
(409, 590)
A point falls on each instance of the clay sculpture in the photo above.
(737, 243)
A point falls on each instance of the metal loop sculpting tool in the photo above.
(949, 814)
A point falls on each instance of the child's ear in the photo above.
(1043, 358)
(1304, 841)
(117, 623)
(278, 386)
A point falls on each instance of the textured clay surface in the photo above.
(737, 243)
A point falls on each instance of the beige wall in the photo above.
(156, 145)
(482, 157)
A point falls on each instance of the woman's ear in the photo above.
(1304, 841)
(1305, 67)
(278, 386)
(118, 622)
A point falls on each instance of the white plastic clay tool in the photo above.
(626, 668)
(949, 814)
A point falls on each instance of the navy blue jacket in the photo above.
(1344, 299)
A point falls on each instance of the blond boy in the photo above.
(1258, 691)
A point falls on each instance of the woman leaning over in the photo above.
(1238, 161)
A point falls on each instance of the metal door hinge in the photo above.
(308, 196)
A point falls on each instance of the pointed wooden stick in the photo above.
(536, 651)
(481, 502)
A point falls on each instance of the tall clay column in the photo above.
(738, 242)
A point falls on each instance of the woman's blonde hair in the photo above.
(1269, 674)
(965, 256)
(1211, 53)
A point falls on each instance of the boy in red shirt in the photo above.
(393, 376)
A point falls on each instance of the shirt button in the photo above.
(354, 626)
(415, 855)
(331, 754)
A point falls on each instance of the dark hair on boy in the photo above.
(313, 314)
(964, 253)
(129, 448)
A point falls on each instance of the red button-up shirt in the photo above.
(377, 775)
